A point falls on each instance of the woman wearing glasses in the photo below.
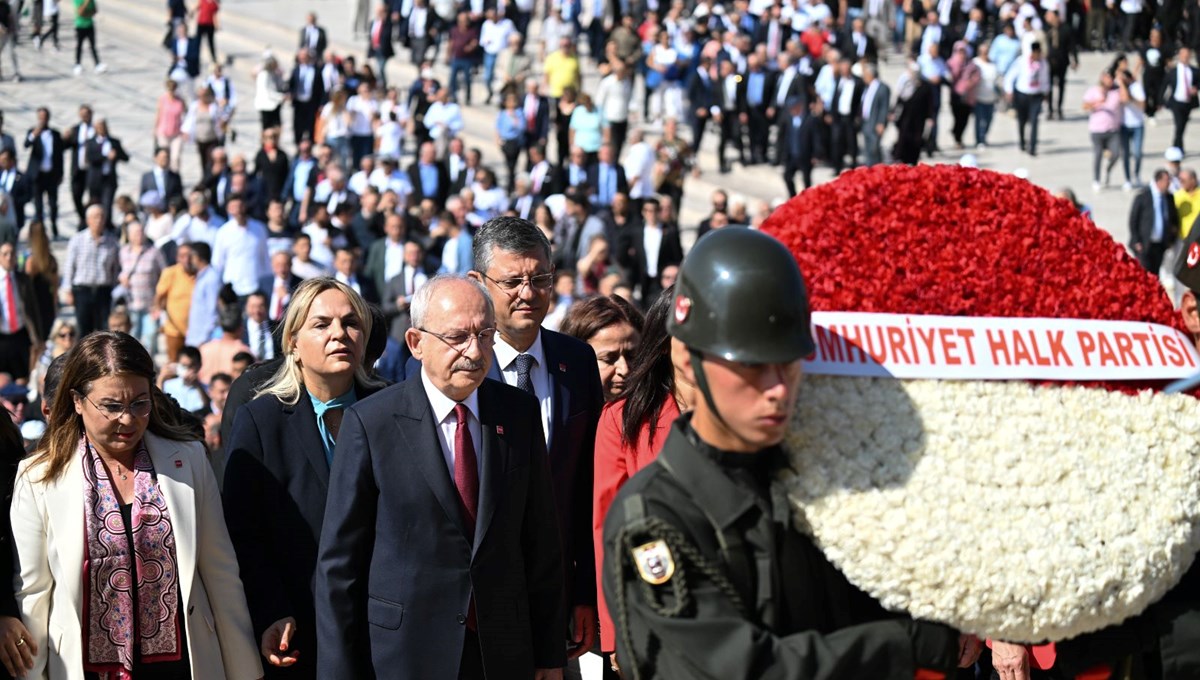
(277, 473)
(125, 568)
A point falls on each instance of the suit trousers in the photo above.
(304, 119)
(1180, 112)
(14, 353)
(1029, 109)
(872, 145)
(92, 305)
(1151, 256)
(731, 131)
(78, 190)
(790, 168)
(45, 191)
(844, 142)
(759, 133)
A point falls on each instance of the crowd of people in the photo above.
(246, 303)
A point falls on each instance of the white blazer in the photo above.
(48, 528)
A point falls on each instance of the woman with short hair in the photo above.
(611, 326)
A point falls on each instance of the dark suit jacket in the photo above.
(634, 252)
(700, 91)
(322, 41)
(762, 32)
(856, 99)
(1168, 95)
(171, 182)
(318, 87)
(848, 47)
(561, 179)
(35, 323)
(1141, 218)
(267, 283)
(37, 152)
(622, 184)
(95, 158)
(878, 115)
(541, 127)
(71, 143)
(810, 134)
(276, 481)
(443, 188)
(397, 566)
(191, 57)
(385, 40)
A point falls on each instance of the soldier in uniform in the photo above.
(706, 576)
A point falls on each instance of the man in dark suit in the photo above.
(536, 110)
(773, 33)
(399, 290)
(844, 118)
(312, 37)
(14, 191)
(608, 177)
(75, 140)
(19, 324)
(637, 251)
(307, 89)
(185, 54)
(755, 91)
(859, 45)
(440, 512)
(732, 104)
(379, 42)
(512, 260)
(103, 155)
(1153, 222)
(876, 102)
(345, 269)
(45, 169)
(279, 286)
(701, 94)
(573, 173)
(429, 179)
(1182, 85)
(799, 138)
(162, 179)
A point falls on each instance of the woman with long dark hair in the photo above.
(633, 428)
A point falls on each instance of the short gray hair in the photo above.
(510, 234)
(419, 306)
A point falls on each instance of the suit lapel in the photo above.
(418, 432)
(302, 424)
(175, 480)
(495, 456)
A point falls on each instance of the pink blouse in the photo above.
(170, 116)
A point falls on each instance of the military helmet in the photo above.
(740, 295)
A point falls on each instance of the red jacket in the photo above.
(615, 463)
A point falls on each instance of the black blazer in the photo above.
(634, 252)
(276, 481)
(71, 143)
(386, 50)
(397, 567)
(701, 92)
(191, 56)
(95, 158)
(443, 189)
(810, 138)
(541, 126)
(38, 151)
(622, 183)
(171, 182)
(1141, 218)
(322, 41)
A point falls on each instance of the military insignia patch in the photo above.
(654, 562)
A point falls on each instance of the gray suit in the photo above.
(875, 113)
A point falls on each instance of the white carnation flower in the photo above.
(1011, 511)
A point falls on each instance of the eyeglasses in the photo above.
(461, 340)
(66, 334)
(112, 410)
(539, 282)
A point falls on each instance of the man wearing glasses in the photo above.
(512, 261)
(440, 555)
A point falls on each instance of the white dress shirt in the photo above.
(1183, 83)
(14, 314)
(652, 240)
(506, 360)
(393, 259)
(443, 412)
(241, 255)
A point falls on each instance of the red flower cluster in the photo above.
(962, 242)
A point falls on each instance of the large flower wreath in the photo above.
(1018, 510)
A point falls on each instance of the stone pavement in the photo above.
(130, 33)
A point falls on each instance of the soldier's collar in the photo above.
(724, 500)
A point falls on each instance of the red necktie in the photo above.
(466, 478)
(375, 34)
(12, 305)
(278, 313)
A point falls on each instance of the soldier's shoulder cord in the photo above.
(637, 531)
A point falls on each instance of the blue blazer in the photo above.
(398, 566)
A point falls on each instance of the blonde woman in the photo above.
(279, 454)
(118, 512)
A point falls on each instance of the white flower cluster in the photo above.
(1011, 511)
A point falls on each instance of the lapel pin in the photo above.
(499, 429)
(178, 463)
(562, 368)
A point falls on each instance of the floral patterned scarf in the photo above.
(108, 572)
